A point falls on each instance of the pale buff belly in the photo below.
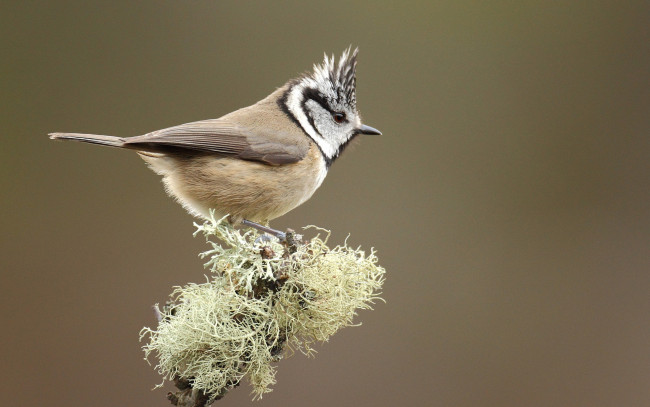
(241, 189)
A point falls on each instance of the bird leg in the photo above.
(280, 235)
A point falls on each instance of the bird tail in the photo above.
(111, 141)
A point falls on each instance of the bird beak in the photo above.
(363, 129)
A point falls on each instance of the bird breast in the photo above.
(243, 189)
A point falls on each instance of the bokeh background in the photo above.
(509, 197)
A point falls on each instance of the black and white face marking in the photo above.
(324, 104)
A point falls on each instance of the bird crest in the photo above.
(337, 82)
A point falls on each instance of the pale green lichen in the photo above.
(260, 297)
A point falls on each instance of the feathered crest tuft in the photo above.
(341, 78)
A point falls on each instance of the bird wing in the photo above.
(219, 136)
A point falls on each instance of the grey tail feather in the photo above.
(90, 138)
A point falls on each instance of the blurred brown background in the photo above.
(509, 196)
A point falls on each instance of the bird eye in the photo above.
(338, 117)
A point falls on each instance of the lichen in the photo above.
(260, 298)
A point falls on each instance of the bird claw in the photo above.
(266, 238)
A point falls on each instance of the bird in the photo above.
(257, 163)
